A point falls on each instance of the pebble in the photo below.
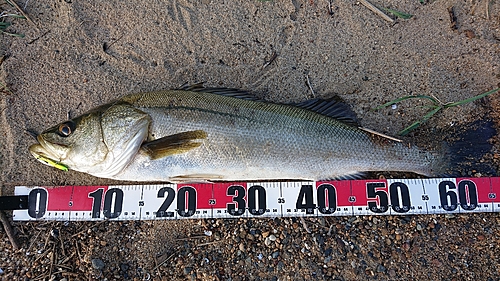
(381, 268)
(275, 255)
(272, 237)
(392, 273)
(267, 241)
(124, 267)
(280, 265)
(187, 270)
(54, 232)
(328, 252)
(98, 264)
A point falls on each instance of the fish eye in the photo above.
(66, 128)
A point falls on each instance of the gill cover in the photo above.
(101, 142)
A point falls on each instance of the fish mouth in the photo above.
(44, 153)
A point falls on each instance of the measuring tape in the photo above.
(255, 199)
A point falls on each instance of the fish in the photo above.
(196, 134)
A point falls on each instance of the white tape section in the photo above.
(261, 199)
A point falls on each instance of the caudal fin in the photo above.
(468, 155)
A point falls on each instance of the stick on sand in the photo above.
(376, 10)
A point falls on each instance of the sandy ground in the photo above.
(82, 54)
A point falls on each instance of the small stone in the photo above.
(242, 247)
(187, 270)
(398, 237)
(272, 238)
(267, 241)
(98, 264)
(419, 227)
(481, 237)
(265, 234)
(275, 255)
(469, 33)
(328, 252)
(381, 268)
(124, 267)
(392, 273)
(280, 266)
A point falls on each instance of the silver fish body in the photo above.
(234, 139)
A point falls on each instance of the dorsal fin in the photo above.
(333, 107)
(228, 92)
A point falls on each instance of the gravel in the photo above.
(460, 248)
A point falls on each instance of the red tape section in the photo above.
(264, 199)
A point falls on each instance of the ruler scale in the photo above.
(255, 199)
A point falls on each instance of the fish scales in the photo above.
(256, 140)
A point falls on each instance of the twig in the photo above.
(33, 241)
(36, 39)
(164, 261)
(376, 10)
(473, 9)
(309, 85)
(52, 260)
(80, 232)
(66, 259)
(192, 237)
(78, 251)
(209, 243)
(488, 6)
(273, 57)
(22, 12)
(62, 243)
(40, 277)
(9, 230)
(379, 134)
(157, 270)
(330, 230)
(304, 225)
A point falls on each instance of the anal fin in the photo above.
(173, 144)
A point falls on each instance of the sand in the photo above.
(81, 54)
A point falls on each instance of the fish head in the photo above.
(101, 142)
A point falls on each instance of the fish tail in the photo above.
(468, 153)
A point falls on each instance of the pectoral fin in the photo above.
(173, 144)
